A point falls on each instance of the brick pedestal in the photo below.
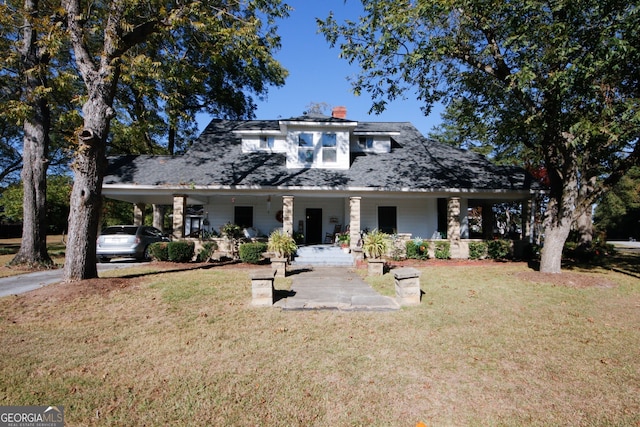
(407, 282)
(262, 288)
(376, 266)
(279, 266)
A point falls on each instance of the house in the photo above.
(319, 174)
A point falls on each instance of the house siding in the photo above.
(418, 217)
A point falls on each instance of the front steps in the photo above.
(322, 256)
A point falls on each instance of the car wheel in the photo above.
(147, 255)
(103, 259)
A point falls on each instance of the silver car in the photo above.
(127, 241)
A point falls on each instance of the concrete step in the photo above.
(323, 255)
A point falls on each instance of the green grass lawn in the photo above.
(485, 347)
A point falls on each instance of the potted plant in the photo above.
(375, 245)
(344, 240)
(282, 246)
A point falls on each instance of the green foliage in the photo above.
(181, 251)
(417, 249)
(618, 211)
(205, 253)
(231, 231)
(58, 193)
(499, 249)
(298, 237)
(595, 252)
(229, 59)
(159, 251)
(281, 244)
(116, 212)
(477, 250)
(252, 252)
(553, 86)
(442, 250)
(344, 239)
(375, 244)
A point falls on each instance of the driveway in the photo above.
(21, 283)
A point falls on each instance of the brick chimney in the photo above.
(339, 112)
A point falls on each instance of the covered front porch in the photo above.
(316, 217)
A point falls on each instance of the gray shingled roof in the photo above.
(415, 162)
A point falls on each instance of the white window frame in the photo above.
(267, 142)
(305, 148)
(329, 148)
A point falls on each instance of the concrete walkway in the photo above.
(332, 288)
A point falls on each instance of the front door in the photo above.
(314, 226)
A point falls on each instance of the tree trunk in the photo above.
(584, 227)
(563, 202)
(171, 146)
(100, 78)
(86, 196)
(33, 249)
(555, 235)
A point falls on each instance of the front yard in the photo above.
(490, 344)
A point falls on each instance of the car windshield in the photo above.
(121, 229)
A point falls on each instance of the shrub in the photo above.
(499, 249)
(181, 251)
(477, 250)
(205, 253)
(595, 251)
(443, 250)
(417, 249)
(375, 244)
(281, 244)
(159, 251)
(252, 252)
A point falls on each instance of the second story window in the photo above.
(305, 148)
(365, 142)
(266, 142)
(329, 154)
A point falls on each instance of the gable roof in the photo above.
(415, 163)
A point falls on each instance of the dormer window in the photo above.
(305, 147)
(329, 144)
(267, 142)
(365, 142)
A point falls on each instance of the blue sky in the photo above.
(317, 74)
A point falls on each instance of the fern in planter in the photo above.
(375, 244)
(281, 244)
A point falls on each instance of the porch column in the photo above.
(158, 217)
(287, 215)
(354, 221)
(138, 213)
(179, 209)
(453, 225)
